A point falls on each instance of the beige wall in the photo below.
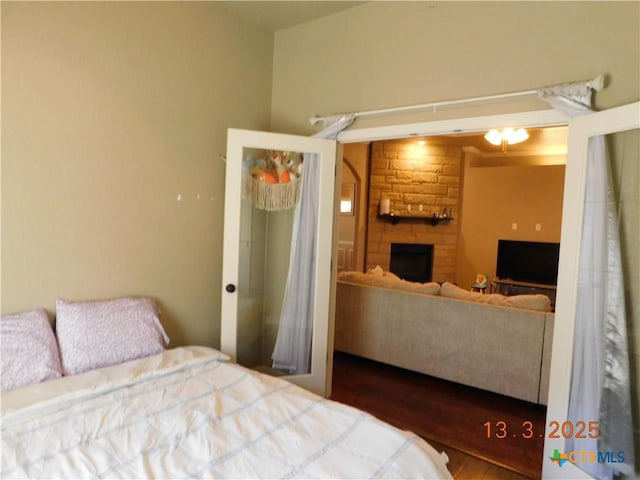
(114, 118)
(111, 112)
(385, 54)
(495, 198)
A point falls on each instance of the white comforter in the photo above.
(189, 413)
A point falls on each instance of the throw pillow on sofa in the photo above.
(531, 302)
(429, 288)
(453, 291)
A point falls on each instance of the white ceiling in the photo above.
(547, 144)
(276, 15)
(544, 141)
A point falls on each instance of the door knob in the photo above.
(230, 288)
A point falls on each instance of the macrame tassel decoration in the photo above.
(272, 183)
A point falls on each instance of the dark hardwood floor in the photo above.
(469, 467)
(450, 416)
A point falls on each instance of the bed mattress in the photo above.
(189, 412)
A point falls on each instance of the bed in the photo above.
(190, 412)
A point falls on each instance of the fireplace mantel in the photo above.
(433, 220)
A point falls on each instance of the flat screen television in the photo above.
(535, 262)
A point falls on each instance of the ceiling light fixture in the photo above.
(506, 136)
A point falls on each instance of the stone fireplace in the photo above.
(416, 181)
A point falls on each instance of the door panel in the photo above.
(257, 247)
(609, 123)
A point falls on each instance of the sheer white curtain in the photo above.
(600, 388)
(292, 351)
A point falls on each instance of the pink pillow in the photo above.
(28, 350)
(102, 333)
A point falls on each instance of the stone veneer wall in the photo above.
(419, 180)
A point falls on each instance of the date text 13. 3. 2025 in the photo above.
(567, 429)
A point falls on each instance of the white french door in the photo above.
(609, 123)
(257, 246)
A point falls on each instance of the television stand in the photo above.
(513, 287)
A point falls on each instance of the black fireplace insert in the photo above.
(411, 261)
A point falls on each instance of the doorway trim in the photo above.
(529, 119)
(357, 212)
(558, 384)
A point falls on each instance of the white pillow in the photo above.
(28, 350)
(453, 291)
(103, 333)
(391, 276)
(352, 276)
(377, 271)
(429, 288)
(532, 302)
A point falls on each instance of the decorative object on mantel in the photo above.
(273, 182)
(385, 206)
(435, 219)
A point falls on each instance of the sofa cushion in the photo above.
(429, 288)
(532, 302)
(379, 278)
(377, 270)
(453, 291)
(352, 276)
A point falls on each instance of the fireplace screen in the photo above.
(412, 262)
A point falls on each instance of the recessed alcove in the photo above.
(483, 192)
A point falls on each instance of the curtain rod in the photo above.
(595, 84)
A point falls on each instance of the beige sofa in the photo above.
(497, 348)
